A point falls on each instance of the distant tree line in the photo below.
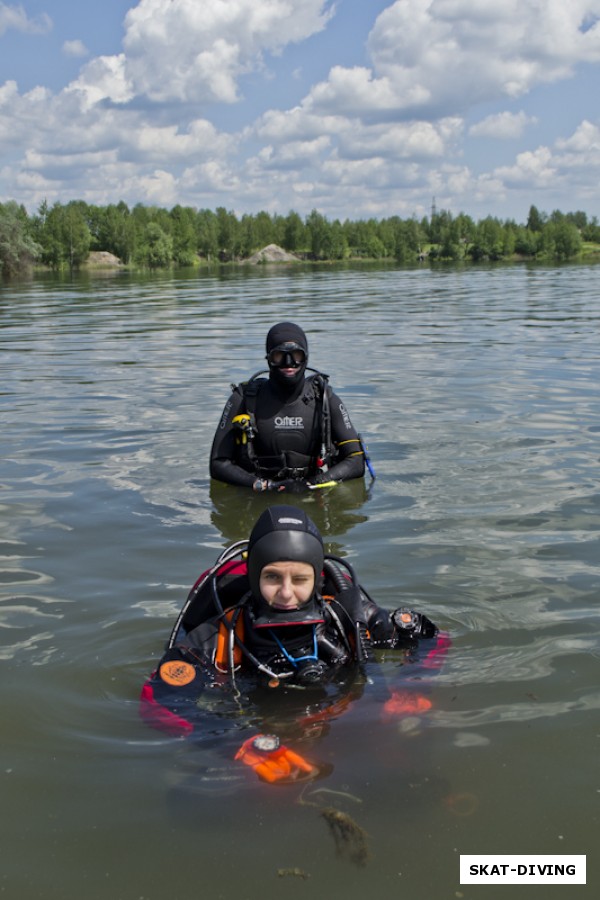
(62, 236)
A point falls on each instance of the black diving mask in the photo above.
(287, 356)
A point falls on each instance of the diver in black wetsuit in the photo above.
(292, 627)
(288, 431)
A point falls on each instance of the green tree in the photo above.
(450, 240)
(183, 232)
(363, 238)
(228, 234)
(535, 219)
(337, 246)
(561, 240)
(207, 234)
(509, 240)
(408, 240)
(440, 222)
(114, 231)
(527, 242)
(278, 229)
(248, 239)
(489, 240)
(591, 231)
(578, 219)
(294, 233)
(64, 235)
(264, 230)
(18, 250)
(154, 248)
(465, 228)
(412, 235)
(318, 228)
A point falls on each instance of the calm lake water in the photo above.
(478, 393)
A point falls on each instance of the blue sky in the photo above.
(356, 108)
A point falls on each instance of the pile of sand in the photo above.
(101, 259)
(271, 253)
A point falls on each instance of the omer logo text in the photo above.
(289, 422)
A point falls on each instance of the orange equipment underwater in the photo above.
(405, 703)
(273, 761)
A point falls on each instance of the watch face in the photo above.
(405, 619)
(266, 742)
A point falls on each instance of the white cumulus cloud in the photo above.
(532, 168)
(445, 54)
(75, 48)
(502, 126)
(380, 132)
(190, 51)
(16, 18)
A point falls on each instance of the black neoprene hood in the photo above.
(283, 534)
(279, 335)
(286, 333)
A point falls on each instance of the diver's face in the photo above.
(287, 585)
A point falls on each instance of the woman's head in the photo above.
(285, 586)
(287, 354)
(285, 557)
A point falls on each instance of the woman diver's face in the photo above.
(287, 585)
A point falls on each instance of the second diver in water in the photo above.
(287, 619)
(289, 431)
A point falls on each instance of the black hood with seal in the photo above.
(282, 336)
(284, 534)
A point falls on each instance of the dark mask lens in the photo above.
(276, 357)
(298, 356)
(287, 359)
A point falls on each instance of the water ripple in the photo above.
(477, 391)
